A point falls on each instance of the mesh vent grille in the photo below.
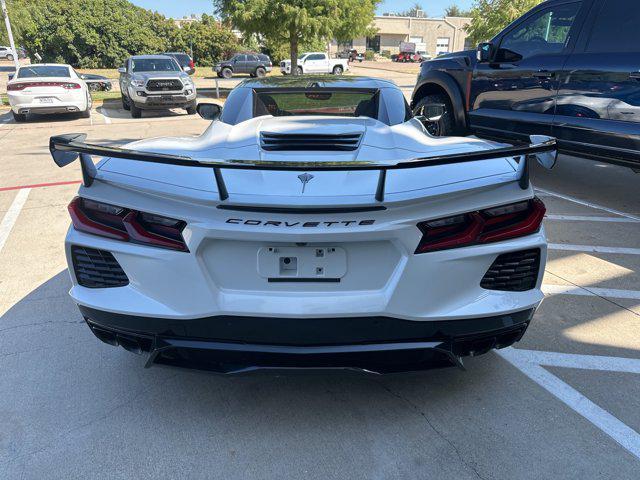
(164, 85)
(97, 268)
(513, 272)
(298, 141)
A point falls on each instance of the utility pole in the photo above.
(10, 34)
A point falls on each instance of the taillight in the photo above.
(23, 85)
(191, 64)
(127, 225)
(13, 87)
(484, 226)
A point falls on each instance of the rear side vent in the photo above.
(298, 141)
(97, 268)
(513, 272)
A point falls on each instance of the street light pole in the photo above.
(10, 34)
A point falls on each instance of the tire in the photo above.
(226, 72)
(19, 117)
(337, 70)
(93, 87)
(260, 72)
(192, 109)
(219, 74)
(10, 57)
(300, 71)
(446, 125)
(125, 103)
(135, 111)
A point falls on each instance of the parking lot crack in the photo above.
(593, 293)
(417, 409)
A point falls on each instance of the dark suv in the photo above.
(567, 68)
(255, 64)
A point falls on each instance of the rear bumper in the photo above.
(233, 344)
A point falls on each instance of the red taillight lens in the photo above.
(120, 223)
(485, 226)
(191, 64)
(22, 86)
(14, 87)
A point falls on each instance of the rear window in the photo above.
(321, 102)
(154, 65)
(43, 71)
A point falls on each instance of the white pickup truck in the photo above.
(316, 62)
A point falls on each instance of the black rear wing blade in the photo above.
(67, 148)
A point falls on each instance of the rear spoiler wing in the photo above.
(67, 148)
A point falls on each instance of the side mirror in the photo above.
(209, 111)
(546, 159)
(122, 70)
(485, 52)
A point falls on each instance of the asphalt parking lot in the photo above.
(563, 403)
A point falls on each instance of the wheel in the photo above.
(192, 109)
(135, 111)
(19, 117)
(10, 57)
(337, 70)
(260, 72)
(446, 125)
(299, 70)
(219, 74)
(227, 72)
(93, 87)
(125, 103)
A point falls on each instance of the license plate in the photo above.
(302, 263)
(45, 99)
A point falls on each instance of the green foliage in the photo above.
(293, 22)
(488, 17)
(279, 50)
(386, 53)
(209, 41)
(103, 33)
(455, 11)
(370, 55)
(413, 11)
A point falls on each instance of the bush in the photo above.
(369, 55)
(386, 53)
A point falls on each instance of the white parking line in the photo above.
(588, 204)
(589, 291)
(531, 364)
(587, 218)
(594, 248)
(9, 219)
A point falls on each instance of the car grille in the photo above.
(97, 268)
(514, 272)
(288, 141)
(164, 85)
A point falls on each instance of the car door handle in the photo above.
(543, 74)
(634, 75)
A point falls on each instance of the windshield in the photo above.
(43, 71)
(319, 102)
(154, 65)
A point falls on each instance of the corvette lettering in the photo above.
(277, 223)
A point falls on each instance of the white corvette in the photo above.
(314, 224)
(48, 88)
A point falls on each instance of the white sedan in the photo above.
(48, 88)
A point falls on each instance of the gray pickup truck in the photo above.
(155, 82)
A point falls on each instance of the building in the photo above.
(180, 22)
(432, 36)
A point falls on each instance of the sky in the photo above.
(173, 8)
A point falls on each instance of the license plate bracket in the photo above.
(308, 262)
(45, 99)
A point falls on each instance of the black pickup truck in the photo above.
(567, 68)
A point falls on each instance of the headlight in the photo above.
(137, 83)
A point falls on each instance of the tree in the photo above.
(207, 39)
(488, 17)
(455, 11)
(296, 21)
(413, 11)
